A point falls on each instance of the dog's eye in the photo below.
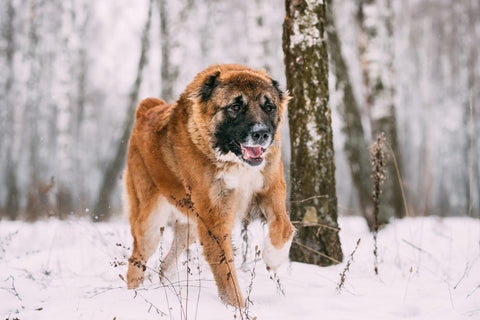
(269, 107)
(235, 107)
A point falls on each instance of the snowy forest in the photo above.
(73, 73)
(70, 69)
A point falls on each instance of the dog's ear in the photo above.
(208, 86)
(283, 96)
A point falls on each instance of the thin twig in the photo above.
(274, 277)
(310, 198)
(199, 283)
(399, 176)
(249, 301)
(5, 242)
(160, 312)
(417, 248)
(463, 276)
(12, 288)
(105, 290)
(179, 292)
(161, 277)
(188, 266)
(408, 283)
(304, 223)
(445, 274)
(347, 268)
(317, 252)
(473, 291)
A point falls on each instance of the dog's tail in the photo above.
(146, 105)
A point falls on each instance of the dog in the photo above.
(204, 162)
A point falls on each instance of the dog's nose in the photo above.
(261, 134)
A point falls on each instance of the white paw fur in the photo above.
(274, 257)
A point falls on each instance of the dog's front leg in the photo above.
(280, 229)
(214, 232)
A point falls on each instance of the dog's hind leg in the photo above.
(184, 235)
(146, 223)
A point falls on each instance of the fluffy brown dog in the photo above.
(211, 157)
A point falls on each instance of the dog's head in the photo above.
(243, 109)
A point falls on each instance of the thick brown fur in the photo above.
(171, 158)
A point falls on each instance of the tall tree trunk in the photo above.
(356, 146)
(313, 195)
(169, 71)
(66, 91)
(32, 105)
(376, 34)
(102, 208)
(472, 139)
(82, 100)
(12, 195)
(37, 205)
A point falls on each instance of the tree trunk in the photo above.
(12, 196)
(37, 204)
(376, 55)
(313, 195)
(356, 146)
(102, 208)
(473, 204)
(169, 71)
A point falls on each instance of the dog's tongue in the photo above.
(252, 153)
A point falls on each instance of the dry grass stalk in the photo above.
(343, 275)
(248, 300)
(276, 280)
(379, 163)
(400, 180)
(12, 289)
(317, 252)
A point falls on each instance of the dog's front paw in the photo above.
(134, 278)
(274, 257)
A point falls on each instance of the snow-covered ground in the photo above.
(429, 268)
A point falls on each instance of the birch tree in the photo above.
(313, 195)
(356, 146)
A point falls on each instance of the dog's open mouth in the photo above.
(253, 155)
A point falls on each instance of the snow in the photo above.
(428, 269)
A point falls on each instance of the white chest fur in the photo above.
(244, 181)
